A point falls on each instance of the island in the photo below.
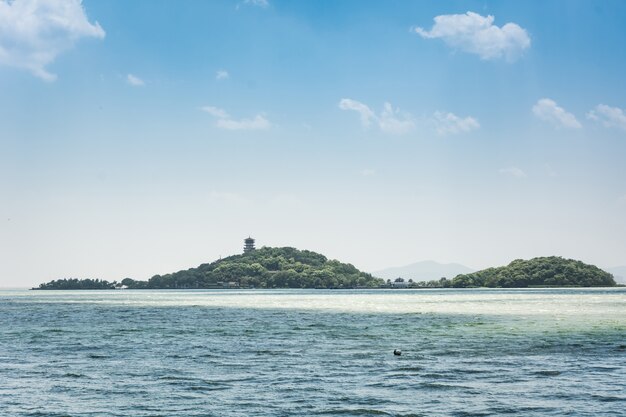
(289, 267)
(552, 271)
(266, 267)
(77, 284)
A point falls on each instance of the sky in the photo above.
(145, 137)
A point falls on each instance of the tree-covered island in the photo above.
(77, 284)
(292, 268)
(550, 271)
(257, 268)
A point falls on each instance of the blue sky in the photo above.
(145, 137)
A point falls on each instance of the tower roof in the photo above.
(248, 244)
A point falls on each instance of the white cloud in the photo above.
(390, 120)
(549, 111)
(257, 123)
(34, 32)
(446, 123)
(260, 3)
(478, 35)
(608, 116)
(367, 172)
(390, 123)
(222, 75)
(224, 121)
(134, 81)
(216, 112)
(367, 115)
(513, 171)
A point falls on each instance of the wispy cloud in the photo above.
(34, 32)
(258, 122)
(547, 110)
(259, 3)
(514, 172)
(225, 121)
(134, 81)
(222, 75)
(393, 121)
(449, 123)
(367, 172)
(367, 115)
(476, 34)
(389, 120)
(216, 112)
(608, 116)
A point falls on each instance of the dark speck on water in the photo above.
(307, 353)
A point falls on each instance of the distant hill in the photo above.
(619, 273)
(423, 271)
(266, 268)
(550, 271)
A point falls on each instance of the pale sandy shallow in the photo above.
(602, 305)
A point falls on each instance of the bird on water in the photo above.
(397, 352)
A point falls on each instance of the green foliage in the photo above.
(293, 268)
(443, 282)
(265, 268)
(77, 284)
(546, 271)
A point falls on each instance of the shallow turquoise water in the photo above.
(282, 353)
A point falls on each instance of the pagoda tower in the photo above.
(248, 245)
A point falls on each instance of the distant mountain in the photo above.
(423, 271)
(619, 273)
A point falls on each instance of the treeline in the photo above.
(435, 283)
(77, 284)
(550, 271)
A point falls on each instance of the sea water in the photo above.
(536, 352)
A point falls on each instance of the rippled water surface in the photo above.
(306, 353)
